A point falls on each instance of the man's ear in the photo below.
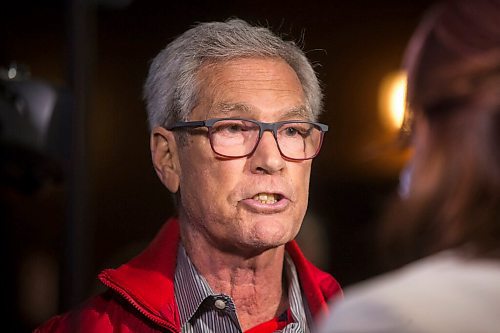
(165, 159)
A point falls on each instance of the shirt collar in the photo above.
(191, 289)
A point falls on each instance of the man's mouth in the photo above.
(267, 198)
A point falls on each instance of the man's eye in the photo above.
(297, 130)
(234, 128)
(231, 128)
(290, 131)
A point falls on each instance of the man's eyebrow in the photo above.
(227, 108)
(297, 112)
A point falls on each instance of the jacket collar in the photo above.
(147, 281)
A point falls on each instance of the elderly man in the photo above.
(232, 111)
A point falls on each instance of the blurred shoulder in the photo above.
(439, 293)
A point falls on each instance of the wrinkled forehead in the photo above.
(231, 87)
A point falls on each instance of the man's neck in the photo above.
(254, 283)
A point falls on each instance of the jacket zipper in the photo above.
(158, 321)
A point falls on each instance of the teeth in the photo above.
(265, 198)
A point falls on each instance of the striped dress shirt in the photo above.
(203, 311)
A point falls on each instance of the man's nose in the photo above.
(267, 158)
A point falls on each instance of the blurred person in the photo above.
(232, 110)
(444, 230)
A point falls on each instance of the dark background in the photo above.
(90, 198)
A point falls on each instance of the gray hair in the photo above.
(171, 88)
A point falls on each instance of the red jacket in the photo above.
(141, 296)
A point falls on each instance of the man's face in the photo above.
(223, 200)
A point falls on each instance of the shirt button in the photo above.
(220, 304)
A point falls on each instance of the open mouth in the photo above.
(267, 198)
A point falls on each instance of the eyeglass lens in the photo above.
(238, 138)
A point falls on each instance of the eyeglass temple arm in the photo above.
(182, 124)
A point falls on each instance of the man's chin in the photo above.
(257, 248)
(268, 236)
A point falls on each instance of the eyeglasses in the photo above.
(236, 137)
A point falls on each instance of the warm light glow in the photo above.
(392, 100)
